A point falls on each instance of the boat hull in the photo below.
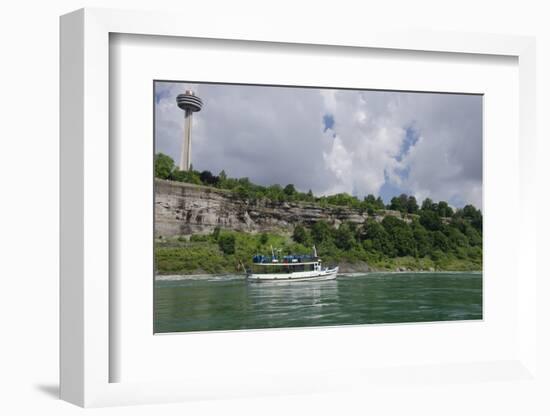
(328, 274)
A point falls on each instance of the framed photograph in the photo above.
(311, 217)
(273, 214)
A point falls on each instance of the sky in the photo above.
(331, 140)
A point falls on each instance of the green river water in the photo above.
(229, 302)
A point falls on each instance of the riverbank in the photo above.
(205, 261)
(207, 254)
(410, 264)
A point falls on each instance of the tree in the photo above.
(400, 235)
(474, 215)
(187, 176)
(242, 192)
(395, 204)
(376, 238)
(164, 166)
(421, 238)
(430, 220)
(440, 241)
(370, 199)
(343, 199)
(444, 210)
(456, 238)
(216, 233)
(412, 206)
(208, 179)
(226, 242)
(427, 205)
(321, 232)
(474, 237)
(244, 182)
(399, 203)
(264, 238)
(275, 193)
(300, 235)
(289, 190)
(437, 255)
(344, 237)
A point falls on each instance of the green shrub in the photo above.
(226, 243)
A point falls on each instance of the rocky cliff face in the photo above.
(184, 209)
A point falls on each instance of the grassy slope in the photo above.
(202, 255)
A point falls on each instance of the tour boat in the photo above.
(294, 268)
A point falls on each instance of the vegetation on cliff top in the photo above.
(244, 189)
(429, 236)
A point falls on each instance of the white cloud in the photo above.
(340, 162)
(371, 138)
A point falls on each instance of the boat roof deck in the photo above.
(281, 263)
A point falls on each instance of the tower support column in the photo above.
(185, 161)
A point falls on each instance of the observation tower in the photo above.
(189, 103)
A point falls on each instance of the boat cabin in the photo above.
(287, 264)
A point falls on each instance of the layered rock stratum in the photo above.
(185, 209)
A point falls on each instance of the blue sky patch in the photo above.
(403, 173)
(411, 137)
(161, 94)
(328, 121)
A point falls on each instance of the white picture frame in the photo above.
(85, 213)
